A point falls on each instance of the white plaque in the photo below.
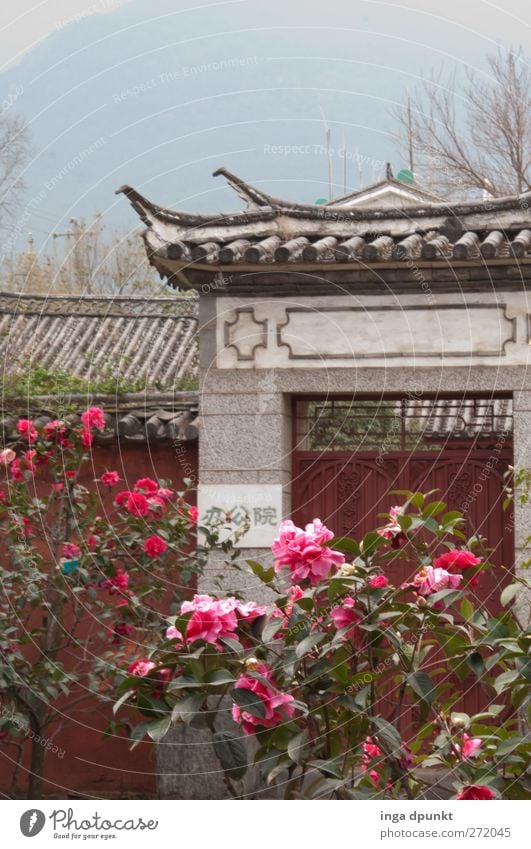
(231, 503)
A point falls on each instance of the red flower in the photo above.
(277, 705)
(110, 478)
(93, 417)
(476, 791)
(26, 428)
(156, 504)
(154, 546)
(141, 667)
(457, 561)
(16, 472)
(378, 582)
(121, 629)
(136, 504)
(54, 430)
(86, 438)
(71, 550)
(117, 583)
(166, 494)
(193, 514)
(146, 485)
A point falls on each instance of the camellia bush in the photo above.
(350, 687)
(84, 571)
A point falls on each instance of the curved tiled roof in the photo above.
(152, 340)
(272, 232)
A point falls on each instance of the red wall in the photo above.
(92, 765)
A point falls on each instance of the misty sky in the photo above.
(159, 93)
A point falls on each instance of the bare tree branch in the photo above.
(474, 138)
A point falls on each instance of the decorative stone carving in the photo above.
(373, 332)
(245, 334)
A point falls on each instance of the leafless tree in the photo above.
(475, 136)
(15, 149)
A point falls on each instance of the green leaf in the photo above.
(476, 663)
(332, 766)
(298, 747)
(308, 643)
(503, 681)
(388, 734)
(344, 544)
(249, 701)
(157, 730)
(265, 575)
(509, 593)
(432, 509)
(466, 609)
(186, 709)
(231, 753)
(271, 627)
(219, 676)
(422, 685)
(184, 682)
(233, 644)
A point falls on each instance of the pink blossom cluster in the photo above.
(304, 552)
(278, 706)
(144, 499)
(213, 619)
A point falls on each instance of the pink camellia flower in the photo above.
(476, 791)
(212, 618)
(118, 582)
(16, 471)
(71, 551)
(54, 430)
(154, 546)
(86, 438)
(7, 455)
(165, 493)
(278, 706)
(193, 514)
(94, 417)
(458, 561)
(146, 485)
(137, 504)
(304, 553)
(378, 582)
(141, 667)
(27, 429)
(249, 610)
(471, 746)
(156, 504)
(110, 478)
(430, 580)
(173, 633)
(372, 751)
(344, 614)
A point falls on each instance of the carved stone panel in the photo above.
(245, 334)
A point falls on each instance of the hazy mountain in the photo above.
(158, 96)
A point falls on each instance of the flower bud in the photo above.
(251, 663)
(421, 602)
(348, 569)
(458, 722)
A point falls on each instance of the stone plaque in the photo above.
(262, 504)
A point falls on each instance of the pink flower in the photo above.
(156, 504)
(27, 429)
(154, 546)
(249, 611)
(458, 561)
(71, 551)
(378, 582)
(141, 668)
(277, 705)
(372, 751)
(110, 478)
(392, 532)
(173, 633)
(7, 455)
(193, 514)
(165, 493)
(136, 504)
(86, 438)
(146, 485)
(93, 417)
(212, 618)
(344, 614)
(430, 580)
(118, 583)
(476, 791)
(54, 430)
(304, 553)
(471, 746)
(16, 471)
